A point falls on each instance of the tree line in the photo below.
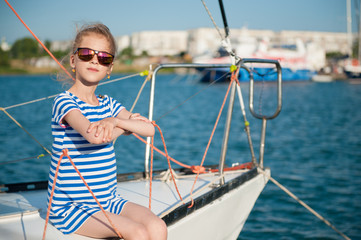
(27, 48)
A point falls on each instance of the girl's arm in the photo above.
(106, 128)
(143, 126)
(109, 129)
(134, 125)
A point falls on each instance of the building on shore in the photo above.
(201, 41)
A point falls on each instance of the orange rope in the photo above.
(212, 134)
(45, 48)
(162, 153)
(168, 159)
(52, 192)
(65, 153)
(195, 169)
(151, 175)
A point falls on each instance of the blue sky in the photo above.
(56, 19)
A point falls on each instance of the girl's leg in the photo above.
(156, 227)
(134, 222)
(98, 226)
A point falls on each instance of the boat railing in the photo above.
(241, 64)
(251, 100)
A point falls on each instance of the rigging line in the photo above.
(41, 155)
(139, 92)
(168, 159)
(306, 206)
(65, 153)
(14, 120)
(226, 43)
(23, 159)
(213, 130)
(151, 175)
(246, 123)
(189, 98)
(138, 95)
(32, 101)
(260, 99)
(147, 79)
(53, 96)
(48, 51)
(119, 79)
(45, 48)
(211, 17)
(226, 28)
(160, 152)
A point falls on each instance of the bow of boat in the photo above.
(219, 211)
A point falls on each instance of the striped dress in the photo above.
(72, 203)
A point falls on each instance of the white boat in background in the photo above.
(299, 62)
(223, 196)
(323, 78)
(352, 68)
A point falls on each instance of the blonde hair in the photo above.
(97, 28)
(85, 30)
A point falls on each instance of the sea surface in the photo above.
(313, 147)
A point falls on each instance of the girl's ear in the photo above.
(72, 61)
(110, 68)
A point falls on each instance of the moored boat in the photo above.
(322, 78)
(352, 69)
(297, 63)
(221, 199)
(218, 212)
(196, 202)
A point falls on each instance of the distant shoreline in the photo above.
(30, 70)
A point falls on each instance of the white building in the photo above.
(159, 43)
(4, 45)
(122, 42)
(202, 41)
(61, 45)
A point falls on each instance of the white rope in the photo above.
(306, 206)
(118, 79)
(211, 17)
(32, 101)
(26, 131)
(226, 42)
(53, 96)
(45, 98)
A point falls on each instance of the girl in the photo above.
(86, 125)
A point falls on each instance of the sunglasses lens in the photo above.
(105, 58)
(85, 54)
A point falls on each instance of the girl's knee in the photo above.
(163, 229)
(141, 233)
(159, 228)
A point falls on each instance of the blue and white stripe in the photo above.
(72, 203)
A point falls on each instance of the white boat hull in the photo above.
(219, 212)
(223, 218)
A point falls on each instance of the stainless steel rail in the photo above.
(230, 107)
(151, 97)
(251, 97)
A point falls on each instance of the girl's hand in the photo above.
(103, 128)
(137, 116)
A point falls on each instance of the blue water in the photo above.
(313, 147)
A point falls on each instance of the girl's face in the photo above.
(91, 72)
